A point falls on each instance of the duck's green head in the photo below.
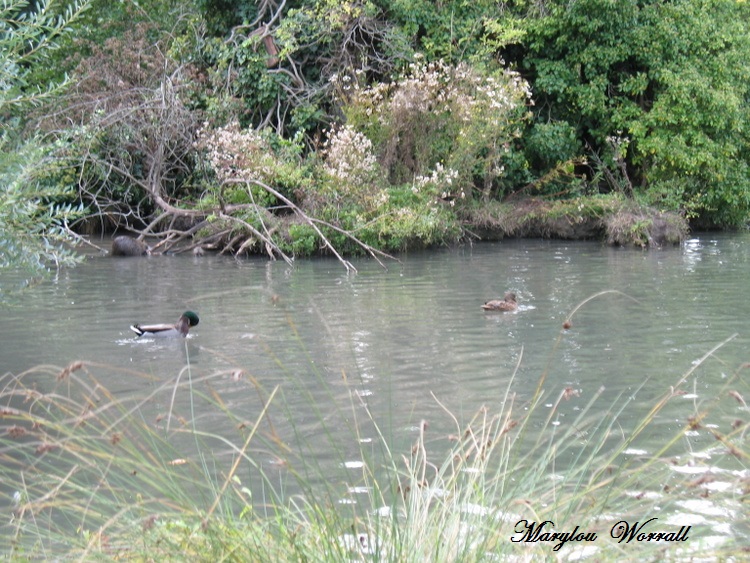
(191, 317)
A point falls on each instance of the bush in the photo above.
(547, 144)
(664, 75)
(238, 157)
(35, 198)
(351, 174)
(36, 208)
(439, 115)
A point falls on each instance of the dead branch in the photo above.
(373, 252)
(348, 265)
(313, 223)
(271, 247)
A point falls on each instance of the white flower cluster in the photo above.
(236, 154)
(353, 169)
(440, 182)
(349, 155)
(437, 87)
(619, 144)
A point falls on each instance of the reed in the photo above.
(88, 475)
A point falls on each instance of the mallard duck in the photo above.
(180, 328)
(507, 303)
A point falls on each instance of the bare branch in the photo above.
(374, 252)
(268, 242)
(313, 223)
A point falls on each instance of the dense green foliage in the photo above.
(34, 206)
(669, 79)
(652, 95)
(381, 123)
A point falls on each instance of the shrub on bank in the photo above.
(610, 217)
(441, 117)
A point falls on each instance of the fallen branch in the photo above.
(374, 252)
(312, 222)
(271, 247)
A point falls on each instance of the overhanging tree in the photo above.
(33, 212)
(670, 80)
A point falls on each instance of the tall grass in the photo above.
(87, 475)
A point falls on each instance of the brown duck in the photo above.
(507, 303)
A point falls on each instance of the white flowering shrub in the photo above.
(439, 114)
(245, 155)
(237, 154)
(349, 156)
(352, 170)
(441, 182)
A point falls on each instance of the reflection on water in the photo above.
(406, 343)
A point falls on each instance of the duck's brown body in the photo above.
(507, 303)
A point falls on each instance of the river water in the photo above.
(409, 342)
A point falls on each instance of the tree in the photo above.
(663, 86)
(33, 212)
(28, 34)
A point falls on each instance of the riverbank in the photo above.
(602, 217)
(609, 218)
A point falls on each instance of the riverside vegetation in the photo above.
(87, 475)
(304, 126)
(300, 127)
